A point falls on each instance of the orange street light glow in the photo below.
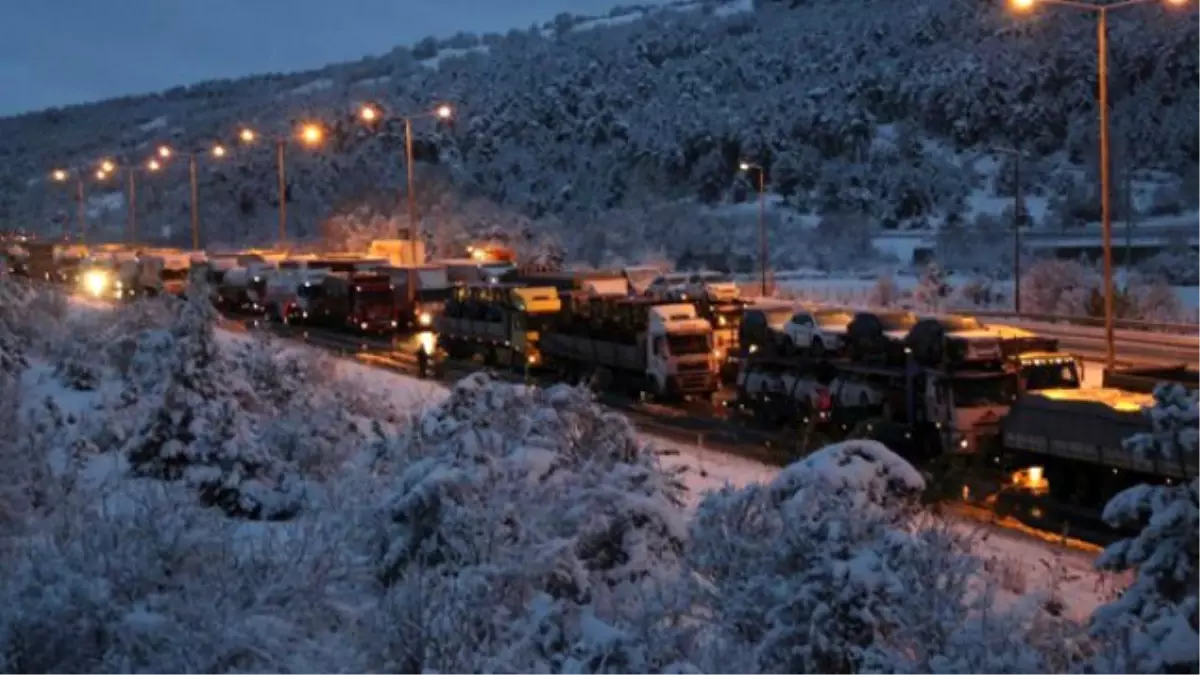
(218, 151)
(444, 112)
(311, 134)
(247, 135)
(153, 165)
(164, 152)
(101, 174)
(106, 166)
(368, 113)
(1023, 5)
(60, 175)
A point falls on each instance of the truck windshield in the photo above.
(1050, 376)
(375, 296)
(891, 322)
(681, 344)
(961, 323)
(972, 392)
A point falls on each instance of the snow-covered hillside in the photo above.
(613, 133)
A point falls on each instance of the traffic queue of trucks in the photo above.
(928, 386)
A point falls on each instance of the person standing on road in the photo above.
(422, 363)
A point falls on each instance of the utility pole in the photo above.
(1018, 212)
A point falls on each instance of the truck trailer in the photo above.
(501, 323)
(636, 345)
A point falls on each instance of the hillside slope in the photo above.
(876, 111)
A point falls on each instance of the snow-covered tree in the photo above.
(1153, 626)
(832, 568)
(197, 427)
(528, 519)
(932, 289)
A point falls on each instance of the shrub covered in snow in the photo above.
(199, 424)
(1153, 626)
(828, 569)
(533, 520)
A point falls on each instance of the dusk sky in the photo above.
(58, 52)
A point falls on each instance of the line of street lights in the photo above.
(309, 134)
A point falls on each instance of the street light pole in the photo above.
(195, 201)
(762, 225)
(82, 208)
(1101, 11)
(132, 187)
(1105, 203)
(413, 227)
(279, 148)
(762, 219)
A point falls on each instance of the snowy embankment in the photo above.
(181, 501)
(1027, 563)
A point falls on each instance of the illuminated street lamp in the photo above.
(107, 166)
(62, 176)
(310, 134)
(153, 165)
(1101, 10)
(371, 114)
(747, 167)
(218, 151)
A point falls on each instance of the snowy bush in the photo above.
(525, 516)
(885, 292)
(1153, 625)
(932, 289)
(199, 425)
(830, 569)
(146, 582)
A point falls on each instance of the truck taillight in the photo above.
(824, 399)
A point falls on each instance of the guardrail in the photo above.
(1189, 329)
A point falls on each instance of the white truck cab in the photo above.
(679, 350)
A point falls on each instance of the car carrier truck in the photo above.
(637, 345)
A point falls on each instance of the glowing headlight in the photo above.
(720, 321)
(424, 318)
(95, 281)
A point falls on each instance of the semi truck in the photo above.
(1069, 443)
(501, 323)
(421, 293)
(358, 302)
(636, 345)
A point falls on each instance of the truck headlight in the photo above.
(424, 318)
(95, 282)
